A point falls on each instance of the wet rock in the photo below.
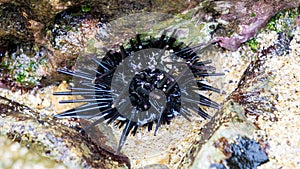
(119, 8)
(264, 89)
(23, 57)
(77, 24)
(14, 27)
(155, 166)
(18, 156)
(54, 140)
(244, 154)
(24, 68)
(72, 28)
(240, 20)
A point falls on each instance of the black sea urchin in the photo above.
(151, 80)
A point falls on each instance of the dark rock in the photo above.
(14, 27)
(246, 154)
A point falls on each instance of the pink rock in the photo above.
(249, 17)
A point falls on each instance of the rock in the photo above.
(49, 138)
(241, 20)
(260, 106)
(14, 27)
(18, 156)
(243, 154)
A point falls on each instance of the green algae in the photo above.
(283, 21)
(24, 69)
(253, 44)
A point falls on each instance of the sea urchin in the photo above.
(150, 80)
